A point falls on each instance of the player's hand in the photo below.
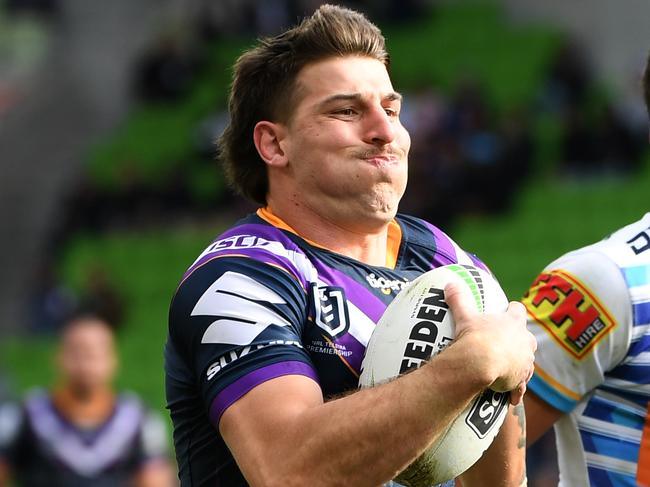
(502, 349)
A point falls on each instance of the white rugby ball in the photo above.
(416, 326)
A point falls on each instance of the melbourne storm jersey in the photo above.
(590, 312)
(42, 448)
(260, 303)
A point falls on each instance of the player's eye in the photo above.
(346, 112)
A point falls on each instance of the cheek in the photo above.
(404, 139)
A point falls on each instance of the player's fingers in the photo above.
(460, 302)
(530, 374)
(517, 310)
(517, 394)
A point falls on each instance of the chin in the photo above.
(386, 204)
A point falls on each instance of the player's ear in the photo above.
(268, 138)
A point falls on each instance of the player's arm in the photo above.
(545, 416)
(283, 433)
(504, 462)
(597, 290)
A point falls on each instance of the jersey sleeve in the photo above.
(579, 311)
(236, 321)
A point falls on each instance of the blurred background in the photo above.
(528, 126)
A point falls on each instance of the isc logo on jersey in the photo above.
(565, 307)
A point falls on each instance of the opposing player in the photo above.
(590, 312)
(268, 327)
(82, 433)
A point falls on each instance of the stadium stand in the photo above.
(153, 197)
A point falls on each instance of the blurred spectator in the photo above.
(51, 302)
(579, 145)
(463, 157)
(82, 433)
(603, 146)
(101, 297)
(568, 80)
(166, 72)
(619, 147)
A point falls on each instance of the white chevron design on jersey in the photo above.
(230, 297)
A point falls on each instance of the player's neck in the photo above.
(84, 407)
(368, 245)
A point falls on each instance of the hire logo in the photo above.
(566, 308)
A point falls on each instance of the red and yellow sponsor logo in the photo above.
(568, 311)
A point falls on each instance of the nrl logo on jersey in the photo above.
(387, 286)
(330, 309)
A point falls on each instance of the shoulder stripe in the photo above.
(233, 392)
(551, 395)
(445, 253)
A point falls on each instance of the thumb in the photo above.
(460, 302)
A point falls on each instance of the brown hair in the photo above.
(264, 84)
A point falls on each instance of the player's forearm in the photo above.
(368, 437)
(504, 462)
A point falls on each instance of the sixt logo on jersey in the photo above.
(566, 308)
(387, 286)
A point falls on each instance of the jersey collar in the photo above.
(392, 245)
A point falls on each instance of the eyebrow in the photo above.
(392, 96)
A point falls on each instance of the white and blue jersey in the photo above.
(261, 302)
(590, 313)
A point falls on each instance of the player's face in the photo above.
(346, 147)
(87, 356)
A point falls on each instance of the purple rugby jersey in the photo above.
(259, 303)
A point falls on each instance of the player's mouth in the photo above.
(381, 159)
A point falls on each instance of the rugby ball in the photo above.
(416, 326)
